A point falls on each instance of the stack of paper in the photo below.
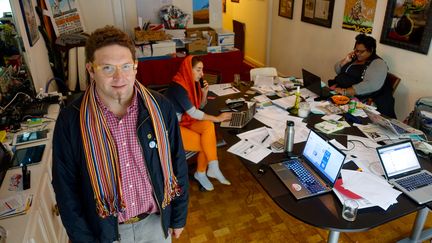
(370, 187)
(285, 102)
(223, 89)
(344, 194)
(15, 205)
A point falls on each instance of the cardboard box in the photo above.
(176, 33)
(199, 45)
(214, 49)
(225, 37)
(161, 48)
(228, 47)
(203, 32)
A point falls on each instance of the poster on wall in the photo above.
(359, 15)
(31, 26)
(66, 16)
(201, 12)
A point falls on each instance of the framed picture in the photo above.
(286, 8)
(29, 17)
(408, 25)
(319, 12)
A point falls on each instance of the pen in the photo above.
(248, 149)
(227, 88)
(265, 138)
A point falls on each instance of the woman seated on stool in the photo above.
(362, 73)
(196, 127)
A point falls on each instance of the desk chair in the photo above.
(394, 80)
(264, 71)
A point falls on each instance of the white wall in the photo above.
(36, 56)
(96, 15)
(296, 44)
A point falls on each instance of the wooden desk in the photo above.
(158, 72)
(323, 211)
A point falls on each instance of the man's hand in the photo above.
(176, 232)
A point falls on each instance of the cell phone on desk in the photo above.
(201, 81)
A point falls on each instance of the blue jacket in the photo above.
(72, 186)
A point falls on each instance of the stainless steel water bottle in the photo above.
(289, 136)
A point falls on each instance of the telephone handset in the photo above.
(201, 81)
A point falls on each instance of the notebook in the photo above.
(402, 169)
(397, 127)
(313, 83)
(241, 118)
(315, 172)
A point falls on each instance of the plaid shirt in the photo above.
(136, 186)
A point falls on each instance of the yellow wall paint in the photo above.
(254, 14)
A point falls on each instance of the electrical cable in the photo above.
(10, 102)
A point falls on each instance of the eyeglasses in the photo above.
(109, 69)
(359, 52)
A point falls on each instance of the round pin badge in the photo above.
(152, 144)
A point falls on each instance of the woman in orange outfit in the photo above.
(196, 127)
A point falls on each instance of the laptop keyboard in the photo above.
(399, 129)
(236, 119)
(304, 176)
(416, 181)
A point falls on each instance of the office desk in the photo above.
(322, 211)
(159, 72)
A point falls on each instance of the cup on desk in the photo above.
(236, 81)
(349, 210)
(304, 109)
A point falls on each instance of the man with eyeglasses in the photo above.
(362, 73)
(119, 168)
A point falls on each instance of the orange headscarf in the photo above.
(185, 78)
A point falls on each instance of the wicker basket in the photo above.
(150, 35)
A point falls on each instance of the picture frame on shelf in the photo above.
(29, 16)
(408, 25)
(319, 12)
(286, 8)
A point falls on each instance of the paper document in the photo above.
(249, 151)
(285, 102)
(223, 89)
(370, 187)
(263, 136)
(15, 205)
(344, 194)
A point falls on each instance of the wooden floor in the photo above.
(243, 212)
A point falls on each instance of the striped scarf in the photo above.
(102, 157)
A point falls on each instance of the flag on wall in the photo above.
(359, 15)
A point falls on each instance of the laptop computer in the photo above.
(315, 172)
(241, 118)
(403, 170)
(313, 83)
(399, 128)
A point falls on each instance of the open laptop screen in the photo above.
(398, 159)
(324, 157)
